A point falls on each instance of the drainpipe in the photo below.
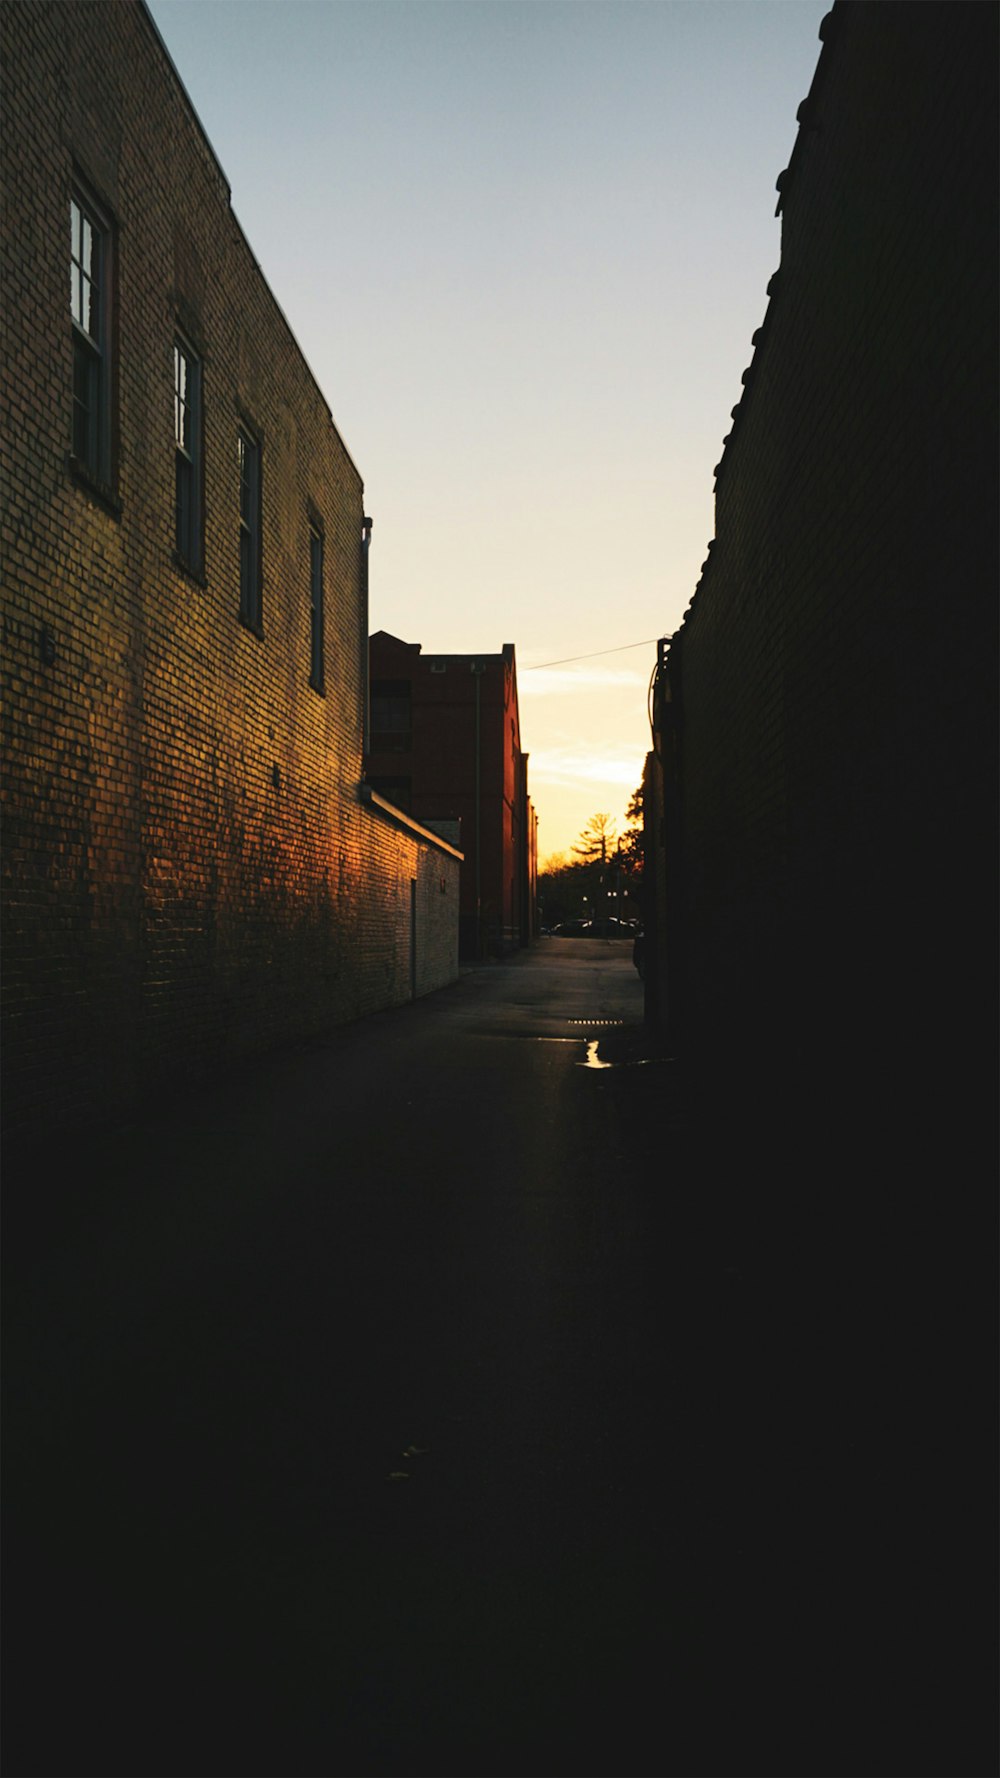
(366, 739)
(478, 670)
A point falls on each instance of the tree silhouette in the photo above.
(630, 846)
(596, 840)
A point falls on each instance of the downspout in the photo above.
(479, 879)
(366, 739)
(478, 670)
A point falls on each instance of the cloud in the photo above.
(567, 765)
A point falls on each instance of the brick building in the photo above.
(826, 742)
(190, 870)
(446, 746)
(824, 779)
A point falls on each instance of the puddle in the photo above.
(593, 1059)
(407, 1456)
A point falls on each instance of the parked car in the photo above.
(609, 928)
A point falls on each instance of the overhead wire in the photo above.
(570, 658)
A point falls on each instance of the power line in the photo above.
(570, 658)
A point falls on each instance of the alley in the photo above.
(333, 1405)
(433, 1400)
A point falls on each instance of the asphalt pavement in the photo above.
(428, 1400)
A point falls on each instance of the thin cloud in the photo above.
(571, 767)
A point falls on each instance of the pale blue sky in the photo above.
(523, 245)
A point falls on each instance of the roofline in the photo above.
(186, 96)
(372, 799)
(503, 655)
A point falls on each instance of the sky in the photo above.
(523, 245)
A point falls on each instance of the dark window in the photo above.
(248, 451)
(397, 791)
(391, 718)
(316, 610)
(90, 301)
(187, 455)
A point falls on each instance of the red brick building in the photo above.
(190, 870)
(445, 745)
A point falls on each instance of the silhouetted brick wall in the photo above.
(830, 808)
(431, 764)
(835, 671)
(189, 874)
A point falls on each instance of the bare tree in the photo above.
(596, 840)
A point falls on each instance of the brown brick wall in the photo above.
(837, 665)
(189, 874)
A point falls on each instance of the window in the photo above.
(315, 609)
(248, 452)
(187, 455)
(90, 303)
(391, 719)
(398, 791)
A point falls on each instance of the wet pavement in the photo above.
(434, 1399)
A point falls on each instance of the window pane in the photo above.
(187, 450)
(391, 715)
(182, 425)
(75, 273)
(88, 315)
(85, 272)
(398, 791)
(90, 423)
(248, 481)
(184, 508)
(81, 374)
(84, 395)
(249, 465)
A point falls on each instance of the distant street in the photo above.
(410, 1406)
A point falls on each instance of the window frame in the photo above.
(92, 449)
(391, 699)
(189, 458)
(396, 790)
(317, 613)
(248, 452)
